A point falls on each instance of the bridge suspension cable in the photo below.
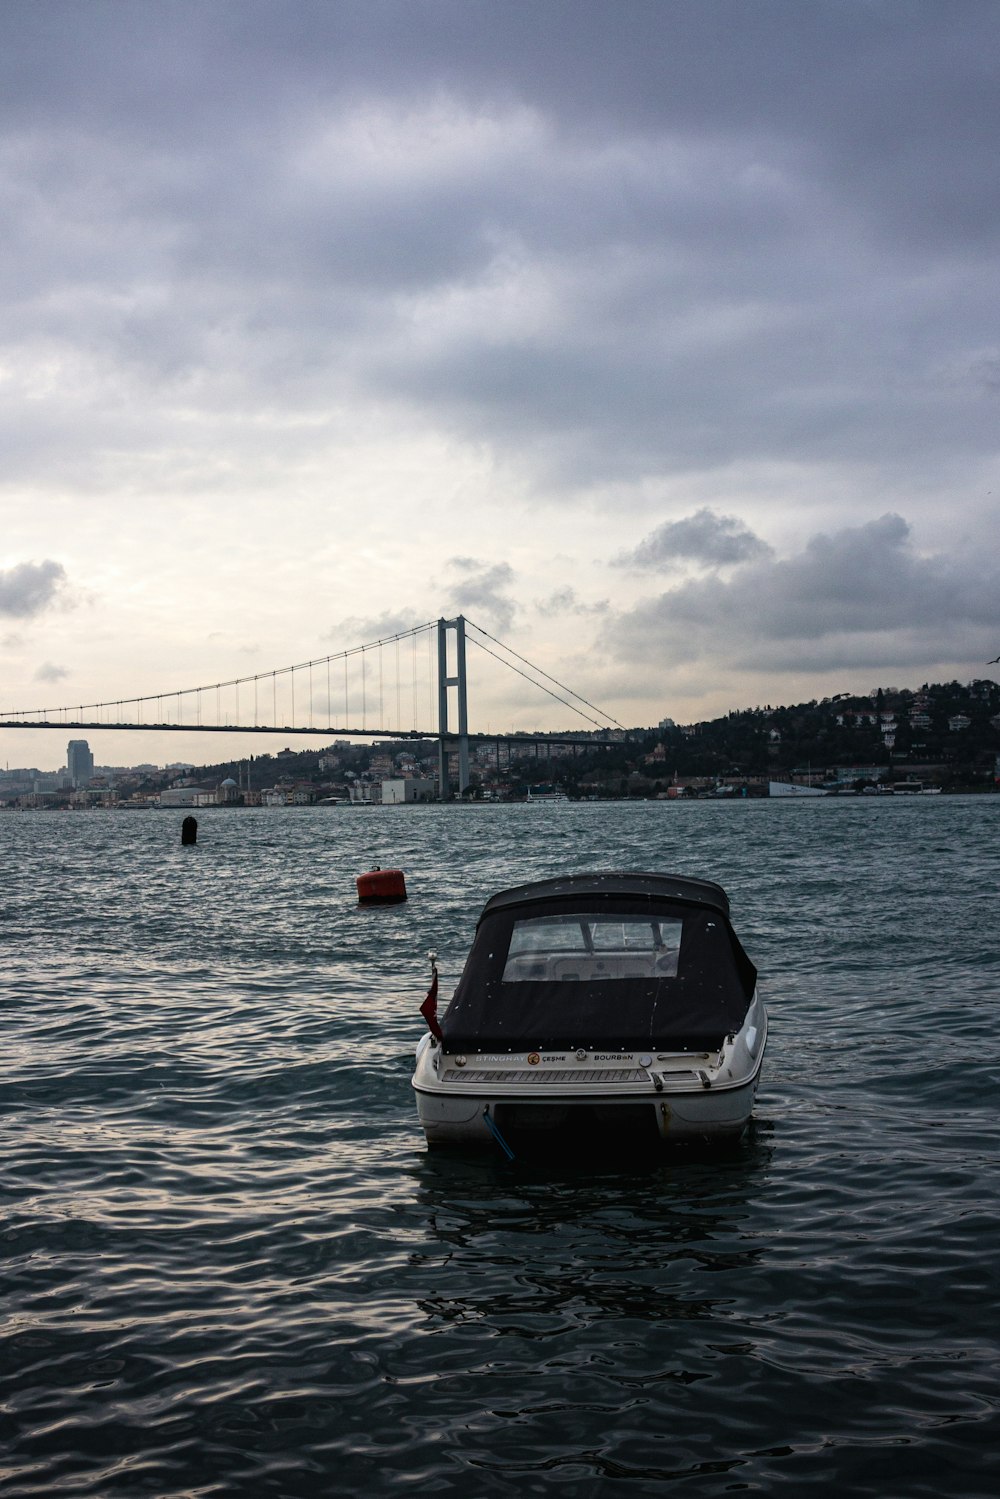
(368, 687)
(541, 685)
(160, 699)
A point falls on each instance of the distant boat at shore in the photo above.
(909, 787)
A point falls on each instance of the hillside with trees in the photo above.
(945, 732)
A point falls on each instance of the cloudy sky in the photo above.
(659, 337)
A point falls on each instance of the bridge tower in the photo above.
(459, 681)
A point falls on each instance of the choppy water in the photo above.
(230, 1267)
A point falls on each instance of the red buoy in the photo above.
(381, 887)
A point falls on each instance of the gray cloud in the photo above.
(693, 254)
(705, 537)
(29, 588)
(47, 672)
(860, 596)
(482, 591)
(637, 252)
(359, 629)
(565, 601)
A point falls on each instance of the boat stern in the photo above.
(465, 1099)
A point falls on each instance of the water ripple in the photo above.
(231, 1268)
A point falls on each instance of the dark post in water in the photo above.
(189, 830)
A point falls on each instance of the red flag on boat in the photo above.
(429, 1009)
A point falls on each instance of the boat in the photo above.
(593, 1005)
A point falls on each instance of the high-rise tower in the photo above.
(79, 762)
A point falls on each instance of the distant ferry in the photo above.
(546, 794)
(787, 788)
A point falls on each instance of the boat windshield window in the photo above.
(584, 946)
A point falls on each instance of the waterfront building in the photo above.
(79, 762)
(178, 796)
(397, 790)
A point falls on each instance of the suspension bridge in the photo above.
(410, 685)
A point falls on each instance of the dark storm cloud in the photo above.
(608, 240)
(705, 537)
(30, 588)
(862, 595)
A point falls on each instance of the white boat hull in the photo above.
(464, 1101)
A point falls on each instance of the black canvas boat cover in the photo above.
(609, 961)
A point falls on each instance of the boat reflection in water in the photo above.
(596, 1005)
(590, 1243)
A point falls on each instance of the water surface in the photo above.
(231, 1268)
